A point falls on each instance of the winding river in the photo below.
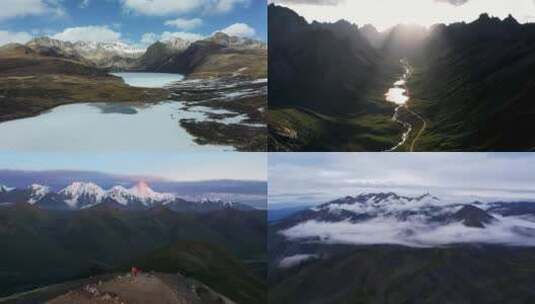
(398, 94)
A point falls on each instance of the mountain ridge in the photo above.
(161, 56)
(81, 195)
(419, 221)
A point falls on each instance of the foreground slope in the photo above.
(42, 247)
(120, 288)
(145, 288)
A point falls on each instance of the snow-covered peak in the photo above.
(89, 192)
(89, 49)
(49, 42)
(38, 189)
(235, 41)
(79, 188)
(113, 47)
(177, 43)
(80, 194)
(120, 194)
(218, 202)
(380, 202)
(4, 188)
(142, 191)
(37, 192)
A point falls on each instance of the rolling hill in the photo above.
(44, 246)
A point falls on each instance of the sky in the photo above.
(313, 178)
(195, 166)
(387, 13)
(137, 22)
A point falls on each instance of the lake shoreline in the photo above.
(26, 97)
(227, 115)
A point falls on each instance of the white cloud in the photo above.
(84, 3)
(239, 29)
(14, 37)
(177, 7)
(185, 24)
(21, 8)
(223, 6)
(149, 38)
(88, 33)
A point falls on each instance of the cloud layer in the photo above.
(174, 7)
(510, 231)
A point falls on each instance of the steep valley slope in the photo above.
(475, 88)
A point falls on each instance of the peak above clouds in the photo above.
(417, 221)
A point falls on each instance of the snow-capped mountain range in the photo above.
(88, 48)
(120, 55)
(425, 220)
(236, 42)
(83, 195)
